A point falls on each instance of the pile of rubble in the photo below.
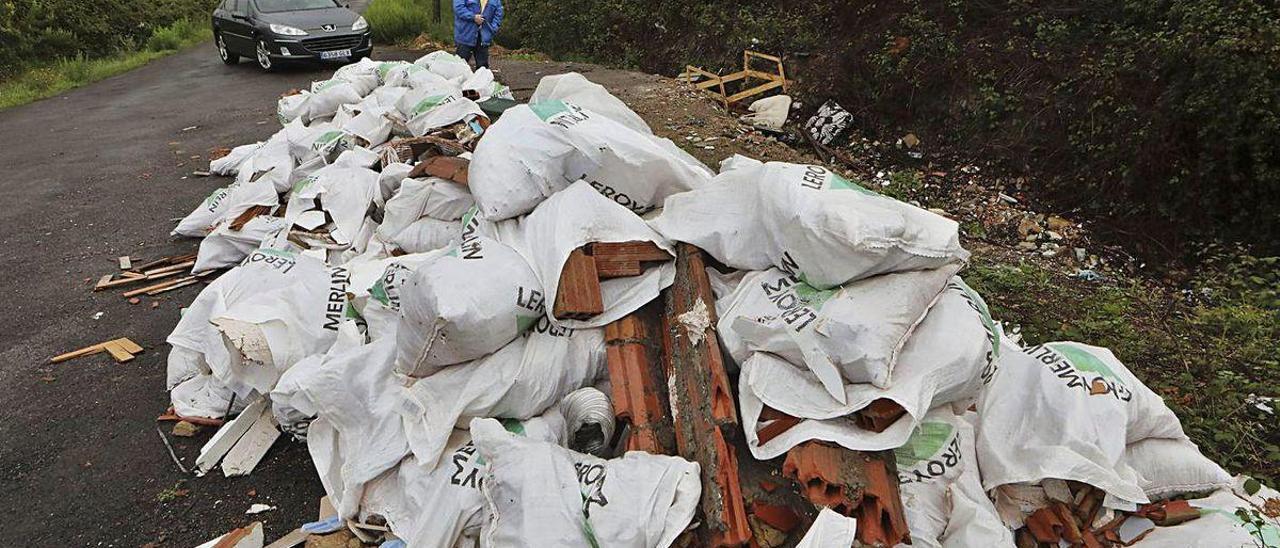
(541, 325)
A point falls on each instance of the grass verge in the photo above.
(52, 78)
(1212, 354)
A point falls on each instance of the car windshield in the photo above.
(273, 6)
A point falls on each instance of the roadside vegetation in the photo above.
(54, 77)
(1158, 114)
(54, 45)
(1211, 351)
(401, 21)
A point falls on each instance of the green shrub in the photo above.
(395, 21)
(180, 34)
(1143, 110)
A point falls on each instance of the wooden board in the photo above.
(117, 352)
(227, 436)
(253, 445)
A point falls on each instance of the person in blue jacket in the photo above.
(475, 22)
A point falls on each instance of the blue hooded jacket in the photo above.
(464, 23)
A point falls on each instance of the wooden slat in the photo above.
(102, 282)
(578, 294)
(754, 91)
(154, 287)
(191, 280)
(248, 215)
(764, 56)
(86, 351)
(170, 268)
(117, 352)
(129, 346)
(125, 262)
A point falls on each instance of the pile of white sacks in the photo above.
(403, 328)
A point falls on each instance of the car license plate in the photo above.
(337, 54)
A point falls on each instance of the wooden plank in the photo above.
(102, 282)
(86, 351)
(133, 275)
(247, 215)
(154, 287)
(227, 436)
(764, 56)
(754, 91)
(129, 346)
(634, 251)
(170, 268)
(125, 262)
(191, 281)
(117, 352)
(294, 538)
(578, 293)
(253, 445)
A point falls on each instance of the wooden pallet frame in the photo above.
(715, 83)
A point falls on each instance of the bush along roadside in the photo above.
(399, 21)
(1148, 112)
(54, 77)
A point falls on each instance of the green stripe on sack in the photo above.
(547, 109)
(1083, 360)
(929, 438)
(840, 183)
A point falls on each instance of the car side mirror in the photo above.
(240, 16)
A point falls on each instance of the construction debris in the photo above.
(541, 330)
(121, 350)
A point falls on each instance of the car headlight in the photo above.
(360, 24)
(286, 30)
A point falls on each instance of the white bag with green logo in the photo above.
(572, 218)
(292, 107)
(197, 345)
(849, 334)
(206, 216)
(807, 221)
(437, 111)
(267, 334)
(541, 494)
(327, 95)
(417, 198)
(469, 302)
(225, 248)
(439, 505)
(446, 65)
(375, 289)
(371, 124)
(391, 177)
(230, 164)
(271, 164)
(534, 151)
(1067, 410)
(942, 494)
(946, 360)
(344, 193)
(519, 381)
(362, 75)
(577, 89)
(427, 234)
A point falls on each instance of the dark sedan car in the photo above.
(275, 31)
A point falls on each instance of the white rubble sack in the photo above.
(534, 151)
(445, 64)
(273, 330)
(572, 218)
(847, 334)
(427, 234)
(225, 247)
(205, 217)
(230, 164)
(575, 88)
(540, 494)
(417, 198)
(942, 496)
(375, 290)
(344, 193)
(807, 221)
(1066, 411)
(353, 389)
(830, 529)
(199, 363)
(440, 505)
(518, 381)
(949, 357)
(464, 304)
(1173, 468)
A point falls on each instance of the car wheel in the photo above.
(224, 53)
(264, 59)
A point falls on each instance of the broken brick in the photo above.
(878, 416)
(578, 293)
(856, 484)
(638, 382)
(779, 517)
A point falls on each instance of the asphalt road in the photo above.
(86, 177)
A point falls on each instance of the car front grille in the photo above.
(332, 43)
